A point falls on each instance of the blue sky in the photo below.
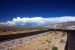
(45, 8)
(10, 9)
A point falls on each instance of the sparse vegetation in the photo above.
(63, 34)
(46, 48)
(54, 48)
(7, 31)
(62, 41)
(42, 42)
(55, 32)
(48, 41)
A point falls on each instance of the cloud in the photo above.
(37, 21)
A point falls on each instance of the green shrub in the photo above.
(54, 48)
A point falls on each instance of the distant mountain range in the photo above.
(64, 25)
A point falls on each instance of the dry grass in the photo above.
(8, 31)
(5, 32)
(44, 41)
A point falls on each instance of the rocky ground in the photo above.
(53, 40)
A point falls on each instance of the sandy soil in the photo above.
(43, 41)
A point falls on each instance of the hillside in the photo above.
(64, 25)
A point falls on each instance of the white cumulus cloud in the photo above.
(37, 21)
